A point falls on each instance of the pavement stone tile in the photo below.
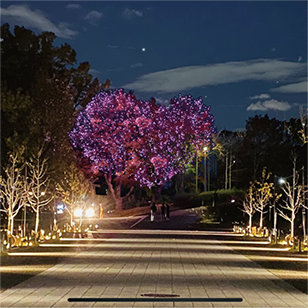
(132, 272)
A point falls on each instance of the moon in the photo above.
(143, 49)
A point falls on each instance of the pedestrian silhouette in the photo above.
(153, 211)
(167, 211)
(163, 212)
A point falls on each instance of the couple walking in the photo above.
(164, 211)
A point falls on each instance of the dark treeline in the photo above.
(42, 87)
(265, 143)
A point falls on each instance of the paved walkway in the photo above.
(131, 263)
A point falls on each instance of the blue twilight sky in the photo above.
(242, 57)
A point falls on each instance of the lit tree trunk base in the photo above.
(116, 194)
(36, 232)
(118, 204)
(10, 229)
(250, 224)
(261, 220)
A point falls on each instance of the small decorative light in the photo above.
(78, 213)
(89, 212)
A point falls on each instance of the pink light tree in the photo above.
(134, 142)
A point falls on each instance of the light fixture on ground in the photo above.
(90, 212)
(78, 213)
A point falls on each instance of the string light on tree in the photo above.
(133, 142)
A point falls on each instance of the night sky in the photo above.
(242, 58)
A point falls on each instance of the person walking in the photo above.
(153, 211)
(163, 212)
(167, 211)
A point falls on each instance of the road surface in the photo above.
(149, 262)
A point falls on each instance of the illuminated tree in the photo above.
(38, 195)
(134, 142)
(13, 192)
(73, 189)
(249, 206)
(295, 197)
(263, 194)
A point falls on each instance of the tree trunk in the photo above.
(304, 223)
(37, 219)
(178, 183)
(10, 228)
(36, 234)
(160, 187)
(292, 226)
(10, 222)
(250, 223)
(72, 222)
(115, 193)
(261, 219)
(197, 173)
(230, 170)
(118, 204)
(226, 171)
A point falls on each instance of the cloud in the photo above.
(93, 17)
(94, 72)
(22, 15)
(73, 6)
(137, 65)
(300, 87)
(129, 14)
(270, 104)
(112, 46)
(185, 78)
(261, 96)
(162, 101)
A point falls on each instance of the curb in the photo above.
(136, 223)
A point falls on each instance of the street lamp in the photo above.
(205, 178)
(281, 181)
(197, 173)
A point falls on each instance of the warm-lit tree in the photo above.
(135, 142)
(13, 192)
(263, 194)
(73, 190)
(38, 194)
(295, 197)
(249, 206)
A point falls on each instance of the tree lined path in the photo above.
(131, 263)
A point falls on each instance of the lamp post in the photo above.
(205, 175)
(197, 173)
(281, 181)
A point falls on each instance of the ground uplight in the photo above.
(90, 212)
(78, 213)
